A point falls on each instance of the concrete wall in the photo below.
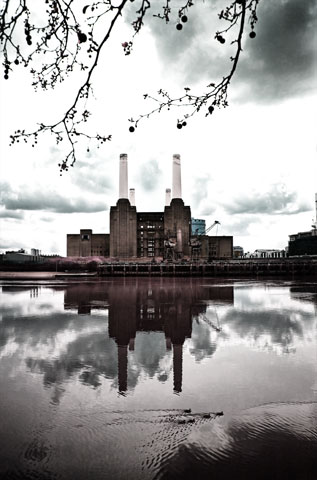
(72, 247)
(123, 230)
(303, 246)
(220, 247)
(214, 247)
(87, 244)
(177, 218)
(16, 257)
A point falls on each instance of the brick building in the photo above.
(165, 234)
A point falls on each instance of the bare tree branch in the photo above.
(62, 38)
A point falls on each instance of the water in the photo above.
(158, 379)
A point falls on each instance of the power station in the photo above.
(167, 234)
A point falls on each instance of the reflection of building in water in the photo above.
(142, 305)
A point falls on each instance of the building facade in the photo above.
(198, 226)
(303, 243)
(167, 234)
(87, 244)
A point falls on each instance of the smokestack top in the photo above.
(177, 182)
(132, 196)
(123, 176)
(168, 197)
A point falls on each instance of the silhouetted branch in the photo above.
(57, 38)
(217, 95)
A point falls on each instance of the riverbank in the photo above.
(245, 267)
(43, 275)
(232, 268)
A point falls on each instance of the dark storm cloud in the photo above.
(275, 202)
(149, 175)
(281, 61)
(192, 52)
(11, 214)
(207, 210)
(22, 199)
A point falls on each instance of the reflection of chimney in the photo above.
(123, 176)
(132, 197)
(177, 367)
(122, 368)
(131, 344)
(179, 240)
(177, 182)
(168, 196)
(168, 343)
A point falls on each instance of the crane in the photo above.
(208, 229)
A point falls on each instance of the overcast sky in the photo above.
(251, 166)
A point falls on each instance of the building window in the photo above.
(85, 236)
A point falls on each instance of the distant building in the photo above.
(198, 226)
(20, 256)
(238, 252)
(304, 243)
(266, 253)
(87, 244)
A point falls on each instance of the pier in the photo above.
(245, 267)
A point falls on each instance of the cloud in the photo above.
(281, 61)
(24, 199)
(207, 210)
(90, 176)
(241, 227)
(11, 214)
(149, 175)
(11, 244)
(200, 190)
(277, 201)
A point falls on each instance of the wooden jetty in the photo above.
(245, 267)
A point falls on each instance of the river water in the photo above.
(156, 378)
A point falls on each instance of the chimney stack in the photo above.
(177, 182)
(168, 197)
(123, 176)
(132, 197)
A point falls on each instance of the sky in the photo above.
(251, 166)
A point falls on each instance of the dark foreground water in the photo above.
(97, 380)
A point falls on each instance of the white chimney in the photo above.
(123, 176)
(168, 196)
(177, 182)
(316, 208)
(132, 197)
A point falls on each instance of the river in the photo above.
(158, 378)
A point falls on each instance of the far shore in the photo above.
(40, 275)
